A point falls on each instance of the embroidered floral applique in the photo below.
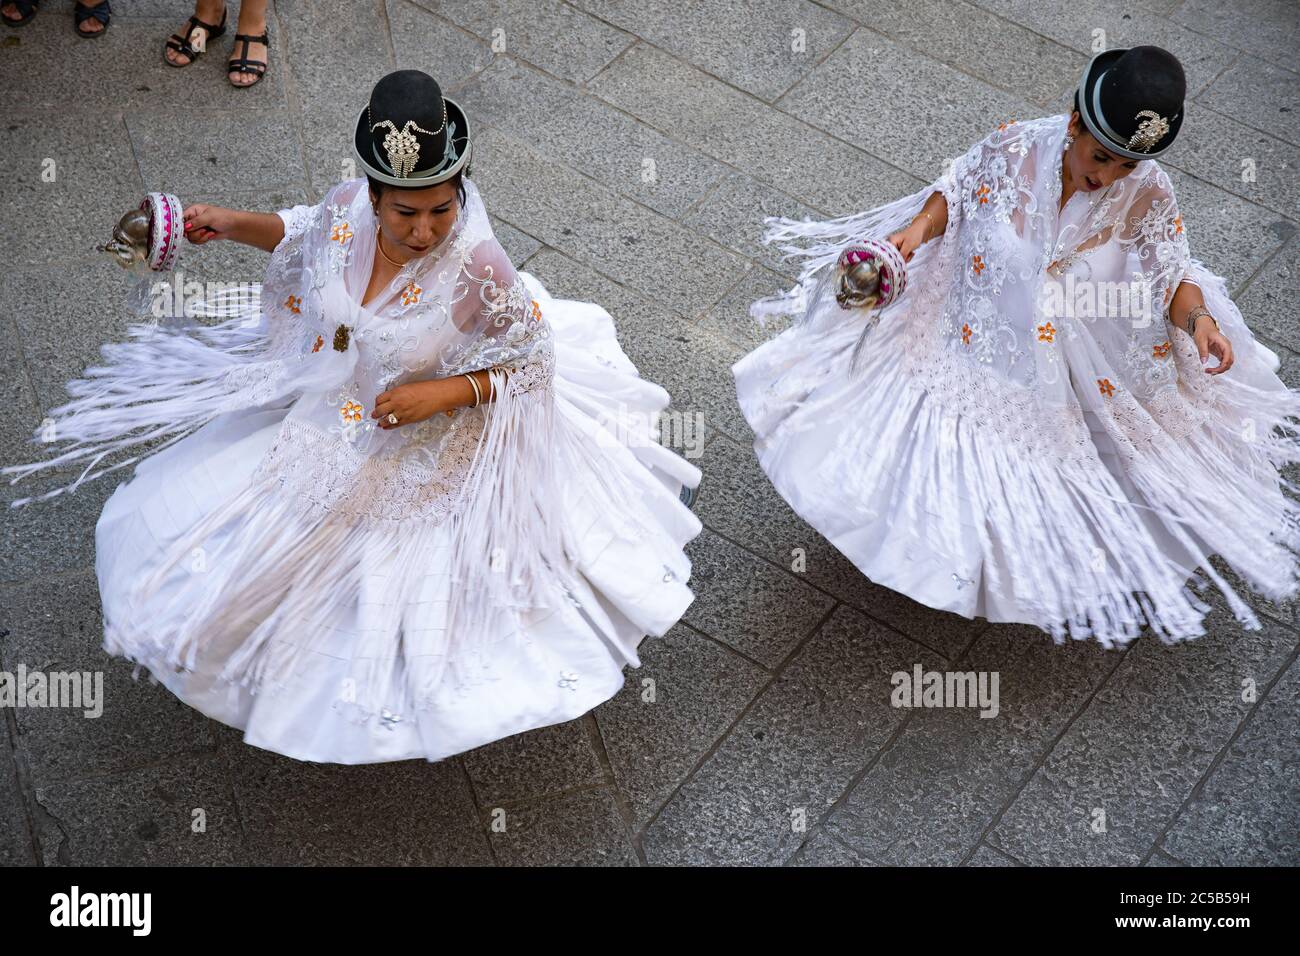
(1047, 332)
(320, 342)
(340, 233)
(1106, 387)
(294, 304)
(966, 332)
(340, 237)
(351, 411)
(977, 264)
(411, 293)
(1160, 351)
(982, 194)
(1008, 123)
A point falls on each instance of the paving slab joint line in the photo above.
(621, 801)
(480, 814)
(1046, 753)
(857, 778)
(713, 748)
(1220, 757)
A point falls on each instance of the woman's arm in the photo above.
(929, 223)
(1188, 301)
(416, 401)
(203, 223)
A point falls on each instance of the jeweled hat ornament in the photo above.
(409, 135)
(869, 275)
(1132, 100)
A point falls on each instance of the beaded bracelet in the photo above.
(1195, 314)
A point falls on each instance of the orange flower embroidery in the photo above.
(351, 411)
(340, 233)
(411, 293)
(1178, 225)
(1046, 332)
(1160, 351)
(966, 333)
(983, 193)
(292, 304)
(536, 311)
(320, 342)
(1107, 389)
(1002, 126)
(977, 263)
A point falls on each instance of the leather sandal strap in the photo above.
(101, 12)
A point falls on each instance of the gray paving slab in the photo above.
(746, 603)
(16, 847)
(951, 110)
(997, 51)
(1258, 94)
(178, 813)
(67, 184)
(1125, 766)
(550, 34)
(610, 233)
(1256, 166)
(580, 829)
(931, 796)
(542, 762)
(1268, 304)
(446, 51)
(411, 812)
(761, 46)
(1267, 28)
(793, 754)
(56, 627)
(1231, 820)
(774, 147)
(824, 850)
(567, 126)
(678, 704)
(1112, 24)
(732, 215)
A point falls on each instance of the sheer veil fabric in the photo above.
(1025, 435)
(348, 593)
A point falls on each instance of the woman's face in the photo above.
(416, 220)
(1092, 167)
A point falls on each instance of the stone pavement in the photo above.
(772, 740)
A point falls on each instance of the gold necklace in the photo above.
(379, 243)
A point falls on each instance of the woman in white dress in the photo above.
(409, 503)
(1064, 415)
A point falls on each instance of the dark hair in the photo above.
(378, 188)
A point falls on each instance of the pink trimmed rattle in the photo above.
(149, 234)
(869, 275)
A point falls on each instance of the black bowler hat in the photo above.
(409, 135)
(1132, 100)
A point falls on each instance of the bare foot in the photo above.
(10, 12)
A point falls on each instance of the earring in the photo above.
(1069, 141)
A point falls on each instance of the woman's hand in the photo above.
(204, 223)
(416, 401)
(1210, 341)
(908, 240)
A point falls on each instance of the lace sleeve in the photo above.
(296, 220)
(515, 337)
(1153, 236)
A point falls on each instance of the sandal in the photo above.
(26, 10)
(242, 64)
(100, 11)
(183, 46)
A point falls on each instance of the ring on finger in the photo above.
(391, 419)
